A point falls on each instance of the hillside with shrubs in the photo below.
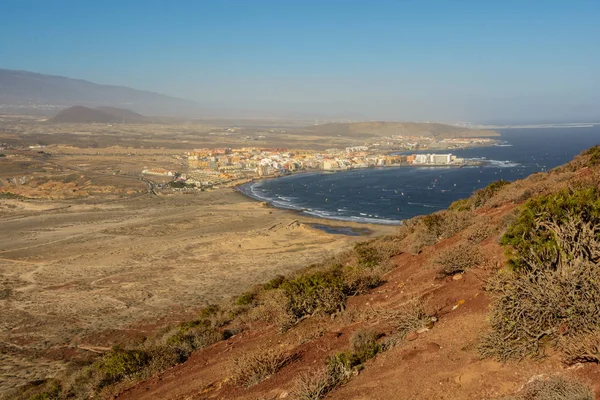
(497, 297)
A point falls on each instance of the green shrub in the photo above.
(368, 256)
(47, 390)
(245, 299)
(594, 155)
(364, 345)
(121, 364)
(532, 233)
(554, 290)
(274, 283)
(321, 291)
(209, 311)
(340, 368)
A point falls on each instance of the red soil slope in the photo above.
(442, 363)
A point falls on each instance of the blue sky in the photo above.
(454, 60)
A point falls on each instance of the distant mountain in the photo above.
(29, 90)
(80, 114)
(380, 128)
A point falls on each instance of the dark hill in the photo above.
(122, 113)
(80, 114)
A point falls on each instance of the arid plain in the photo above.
(89, 257)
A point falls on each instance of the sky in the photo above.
(481, 61)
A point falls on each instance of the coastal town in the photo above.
(208, 168)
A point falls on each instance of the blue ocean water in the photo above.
(389, 195)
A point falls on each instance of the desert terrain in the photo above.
(90, 257)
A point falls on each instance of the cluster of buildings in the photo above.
(210, 167)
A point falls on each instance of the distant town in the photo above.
(208, 168)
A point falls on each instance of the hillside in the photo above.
(497, 297)
(80, 114)
(380, 128)
(36, 91)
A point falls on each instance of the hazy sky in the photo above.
(453, 60)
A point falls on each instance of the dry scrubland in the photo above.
(496, 298)
(90, 259)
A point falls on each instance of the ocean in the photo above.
(389, 195)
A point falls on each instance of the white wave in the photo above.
(423, 205)
(380, 221)
(495, 163)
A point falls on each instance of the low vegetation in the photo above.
(553, 288)
(553, 388)
(582, 349)
(340, 367)
(252, 368)
(479, 198)
(458, 259)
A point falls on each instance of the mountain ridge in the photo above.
(35, 89)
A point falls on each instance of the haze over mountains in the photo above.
(33, 92)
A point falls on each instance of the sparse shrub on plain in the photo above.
(553, 388)
(252, 368)
(47, 389)
(458, 258)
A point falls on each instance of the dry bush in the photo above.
(419, 240)
(273, 309)
(374, 253)
(479, 232)
(582, 349)
(314, 385)
(340, 367)
(410, 317)
(536, 306)
(252, 368)
(553, 388)
(360, 281)
(458, 258)
(555, 291)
